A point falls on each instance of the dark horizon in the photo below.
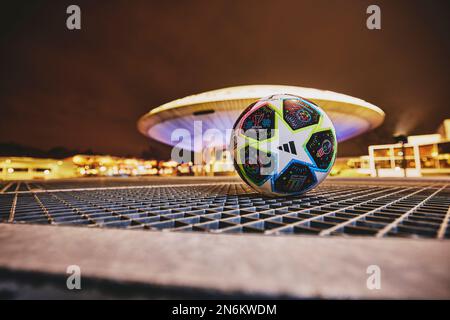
(86, 89)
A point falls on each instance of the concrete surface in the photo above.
(247, 265)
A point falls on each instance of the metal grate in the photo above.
(335, 208)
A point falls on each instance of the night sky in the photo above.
(86, 89)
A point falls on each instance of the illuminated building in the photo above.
(421, 155)
(351, 167)
(98, 165)
(25, 168)
(218, 109)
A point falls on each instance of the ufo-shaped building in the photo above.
(218, 109)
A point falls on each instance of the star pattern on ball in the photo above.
(285, 136)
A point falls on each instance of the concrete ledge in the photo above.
(272, 266)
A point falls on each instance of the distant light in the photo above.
(83, 171)
(434, 154)
(102, 168)
(105, 160)
(10, 170)
(59, 163)
(400, 153)
(170, 163)
(397, 168)
(46, 171)
(78, 159)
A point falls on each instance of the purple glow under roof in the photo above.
(218, 109)
(347, 126)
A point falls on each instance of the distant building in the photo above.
(101, 165)
(351, 167)
(219, 109)
(422, 155)
(25, 168)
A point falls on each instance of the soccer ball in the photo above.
(283, 145)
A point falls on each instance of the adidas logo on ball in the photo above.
(288, 147)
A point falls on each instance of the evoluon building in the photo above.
(219, 109)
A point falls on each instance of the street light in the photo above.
(402, 139)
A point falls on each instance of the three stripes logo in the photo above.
(288, 147)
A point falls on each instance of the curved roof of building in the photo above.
(218, 109)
